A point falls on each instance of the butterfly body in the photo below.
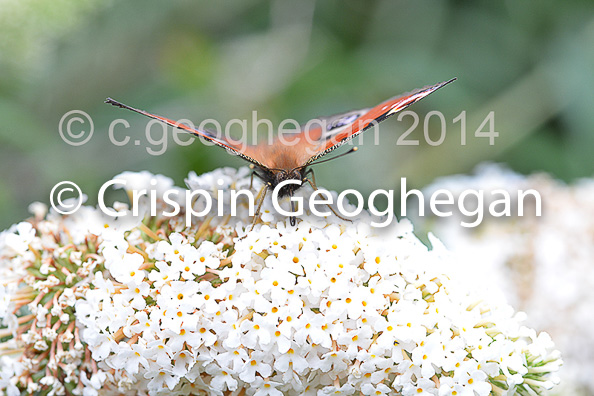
(275, 177)
(291, 157)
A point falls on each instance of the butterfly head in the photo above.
(277, 176)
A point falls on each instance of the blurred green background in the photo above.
(530, 62)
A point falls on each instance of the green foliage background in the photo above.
(531, 62)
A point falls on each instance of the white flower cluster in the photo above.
(326, 307)
(42, 271)
(543, 264)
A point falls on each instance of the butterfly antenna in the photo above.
(125, 106)
(333, 158)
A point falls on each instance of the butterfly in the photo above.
(290, 158)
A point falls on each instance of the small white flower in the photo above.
(265, 387)
(18, 242)
(130, 358)
(127, 270)
(291, 361)
(136, 294)
(161, 379)
(38, 209)
(222, 378)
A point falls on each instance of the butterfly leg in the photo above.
(254, 173)
(292, 219)
(257, 214)
(313, 177)
(252, 180)
(313, 184)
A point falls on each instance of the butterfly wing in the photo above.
(339, 129)
(232, 148)
(318, 137)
